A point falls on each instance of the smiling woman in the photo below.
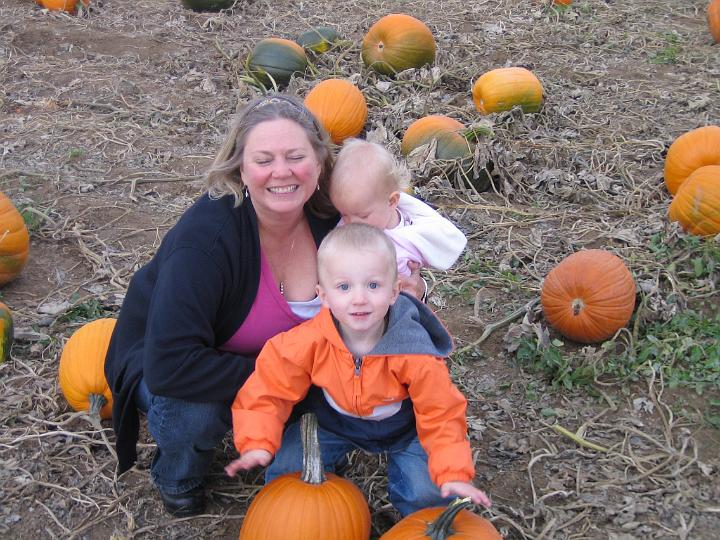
(198, 313)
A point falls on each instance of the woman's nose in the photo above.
(281, 168)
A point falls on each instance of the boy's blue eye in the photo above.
(343, 286)
(373, 285)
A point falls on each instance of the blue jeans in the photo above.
(186, 434)
(409, 484)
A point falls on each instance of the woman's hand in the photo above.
(465, 489)
(250, 459)
(414, 284)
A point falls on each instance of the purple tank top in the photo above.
(269, 315)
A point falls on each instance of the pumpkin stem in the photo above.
(97, 402)
(440, 529)
(577, 306)
(313, 472)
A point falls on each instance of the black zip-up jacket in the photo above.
(181, 306)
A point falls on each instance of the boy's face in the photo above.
(362, 202)
(359, 287)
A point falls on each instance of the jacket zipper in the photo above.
(356, 384)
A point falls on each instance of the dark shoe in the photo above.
(190, 503)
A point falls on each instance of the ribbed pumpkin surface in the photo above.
(589, 296)
(697, 203)
(6, 332)
(398, 42)
(279, 58)
(690, 151)
(713, 19)
(465, 526)
(503, 88)
(448, 132)
(340, 107)
(289, 509)
(82, 366)
(14, 241)
(62, 5)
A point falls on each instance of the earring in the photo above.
(246, 193)
(317, 187)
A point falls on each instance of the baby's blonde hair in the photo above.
(356, 236)
(359, 155)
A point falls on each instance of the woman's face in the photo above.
(280, 168)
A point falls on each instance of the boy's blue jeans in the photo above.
(186, 434)
(409, 484)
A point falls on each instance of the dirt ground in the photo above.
(108, 121)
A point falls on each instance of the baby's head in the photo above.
(365, 184)
(358, 275)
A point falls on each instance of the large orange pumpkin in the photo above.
(697, 203)
(713, 19)
(398, 42)
(14, 241)
(453, 522)
(589, 296)
(691, 151)
(62, 5)
(82, 368)
(451, 144)
(309, 505)
(339, 106)
(503, 88)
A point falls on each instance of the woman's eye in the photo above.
(296, 158)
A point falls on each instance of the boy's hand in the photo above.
(465, 489)
(413, 284)
(250, 459)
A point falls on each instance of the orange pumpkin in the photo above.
(309, 505)
(398, 42)
(589, 296)
(562, 2)
(82, 368)
(713, 19)
(696, 205)
(6, 332)
(453, 522)
(14, 241)
(691, 151)
(451, 144)
(62, 5)
(503, 88)
(339, 106)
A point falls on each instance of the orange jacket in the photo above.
(314, 353)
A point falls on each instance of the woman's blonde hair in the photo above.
(224, 176)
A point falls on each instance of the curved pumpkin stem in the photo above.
(441, 528)
(312, 472)
(97, 402)
(577, 306)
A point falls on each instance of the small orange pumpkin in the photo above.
(503, 88)
(713, 19)
(589, 296)
(309, 505)
(398, 42)
(14, 241)
(451, 144)
(62, 5)
(339, 106)
(696, 205)
(82, 368)
(691, 151)
(453, 522)
(562, 2)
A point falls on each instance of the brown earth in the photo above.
(108, 121)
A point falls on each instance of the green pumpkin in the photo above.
(278, 59)
(207, 5)
(6, 332)
(319, 40)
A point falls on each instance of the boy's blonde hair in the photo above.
(356, 236)
(359, 155)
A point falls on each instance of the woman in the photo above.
(237, 268)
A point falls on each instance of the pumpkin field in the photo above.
(110, 116)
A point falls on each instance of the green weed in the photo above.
(86, 311)
(669, 53)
